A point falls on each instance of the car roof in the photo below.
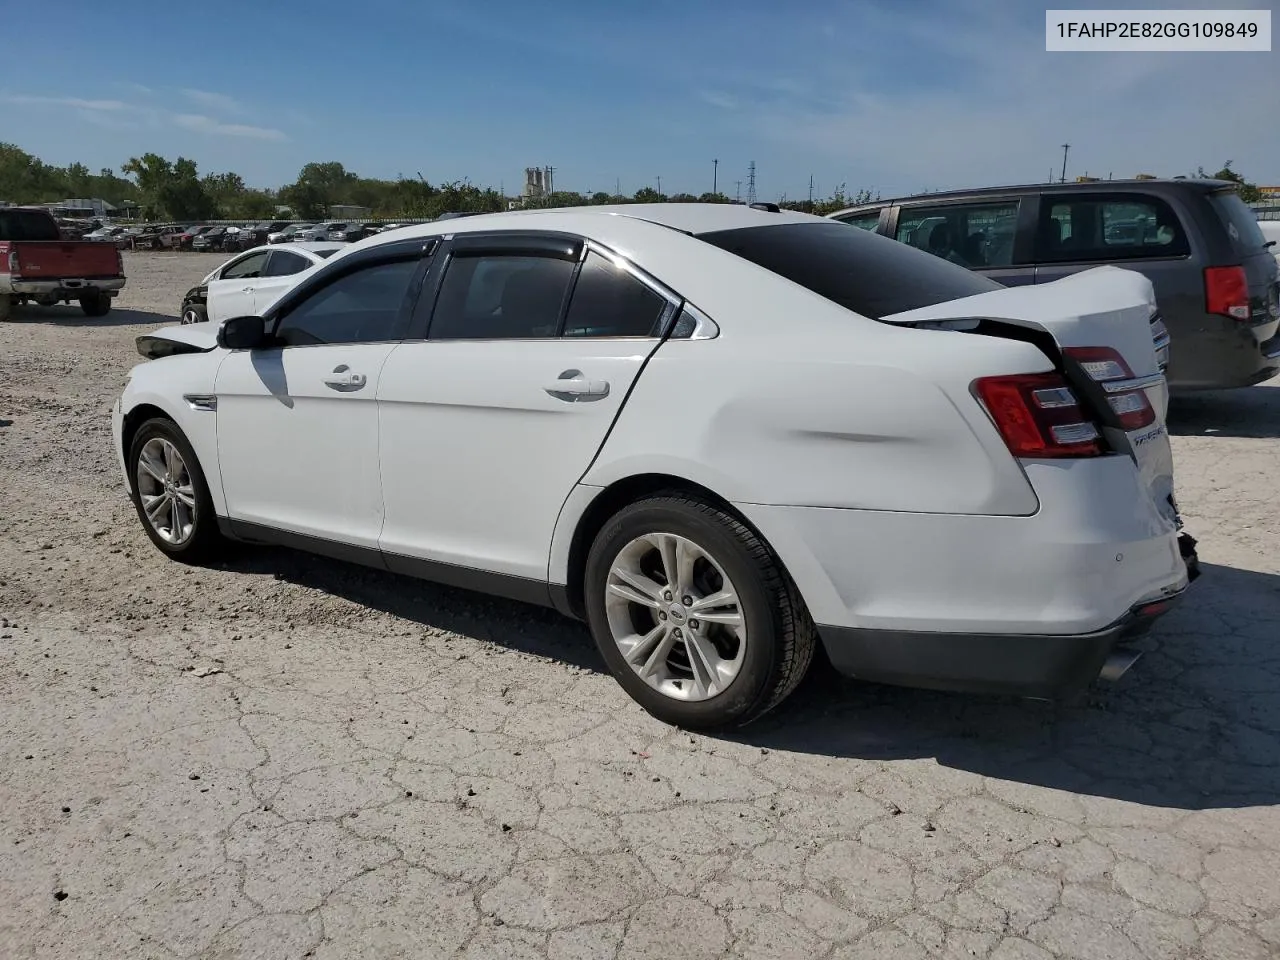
(1097, 186)
(691, 218)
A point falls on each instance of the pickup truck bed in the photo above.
(37, 266)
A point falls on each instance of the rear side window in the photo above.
(1239, 221)
(27, 225)
(864, 272)
(501, 297)
(973, 235)
(282, 263)
(1108, 228)
(608, 301)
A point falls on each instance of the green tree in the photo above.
(684, 198)
(649, 195)
(1249, 192)
(709, 197)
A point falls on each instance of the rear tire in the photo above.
(96, 305)
(6, 306)
(741, 660)
(170, 494)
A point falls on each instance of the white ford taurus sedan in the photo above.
(251, 281)
(720, 435)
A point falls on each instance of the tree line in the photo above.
(175, 190)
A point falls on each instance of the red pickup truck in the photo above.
(37, 265)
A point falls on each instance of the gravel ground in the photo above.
(291, 757)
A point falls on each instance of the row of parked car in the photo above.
(235, 237)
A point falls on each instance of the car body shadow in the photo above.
(1247, 412)
(64, 316)
(521, 627)
(1195, 724)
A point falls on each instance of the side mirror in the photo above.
(242, 333)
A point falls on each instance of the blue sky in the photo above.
(893, 95)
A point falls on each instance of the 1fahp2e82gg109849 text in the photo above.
(1156, 31)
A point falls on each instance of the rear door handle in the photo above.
(573, 386)
(343, 378)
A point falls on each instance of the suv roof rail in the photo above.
(770, 207)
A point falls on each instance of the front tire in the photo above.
(170, 493)
(96, 305)
(694, 614)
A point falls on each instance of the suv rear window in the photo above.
(1106, 228)
(863, 272)
(1240, 222)
(27, 225)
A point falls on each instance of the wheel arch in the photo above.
(197, 426)
(606, 502)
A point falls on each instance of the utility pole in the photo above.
(1065, 148)
(751, 183)
(617, 187)
(737, 192)
(810, 193)
(659, 186)
(715, 177)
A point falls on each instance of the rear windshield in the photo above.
(1240, 221)
(27, 225)
(864, 272)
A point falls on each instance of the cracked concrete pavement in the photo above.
(290, 757)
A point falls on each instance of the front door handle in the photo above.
(572, 386)
(343, 378)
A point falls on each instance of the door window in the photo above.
(363, 306)
(501, 298)
(250, 266)
(1114, 227)
(972, 235)
(609, 301)
(282, 263)
(863, 221)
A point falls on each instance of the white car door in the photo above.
(489, 422)
(231, 293)
(280, 276)
(298, 422)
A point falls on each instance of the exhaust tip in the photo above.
(1118, 664)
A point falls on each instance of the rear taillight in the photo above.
(1038, 415)
(119, 263)
(13, 263)
(1105, 367)
(1226, 292)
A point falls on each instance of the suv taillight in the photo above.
(1226, 292)
(1105, 367)
(1038, 415)
(13, 263)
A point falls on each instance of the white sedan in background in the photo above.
(251, 281)
(720, 435)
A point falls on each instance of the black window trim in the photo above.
(1045, 208)
(524, 243)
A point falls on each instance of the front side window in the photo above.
(250, 266)
(863, 221)
(501, 298)
(363, 306)
(282, 263)
(609, 301)
(1108, 228)
(972, 235)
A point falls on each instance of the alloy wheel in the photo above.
(166, 491)
(676, 616)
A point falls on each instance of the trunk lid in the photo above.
(1103, 307)
(66, 259)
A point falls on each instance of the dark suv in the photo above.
(1195, 240)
